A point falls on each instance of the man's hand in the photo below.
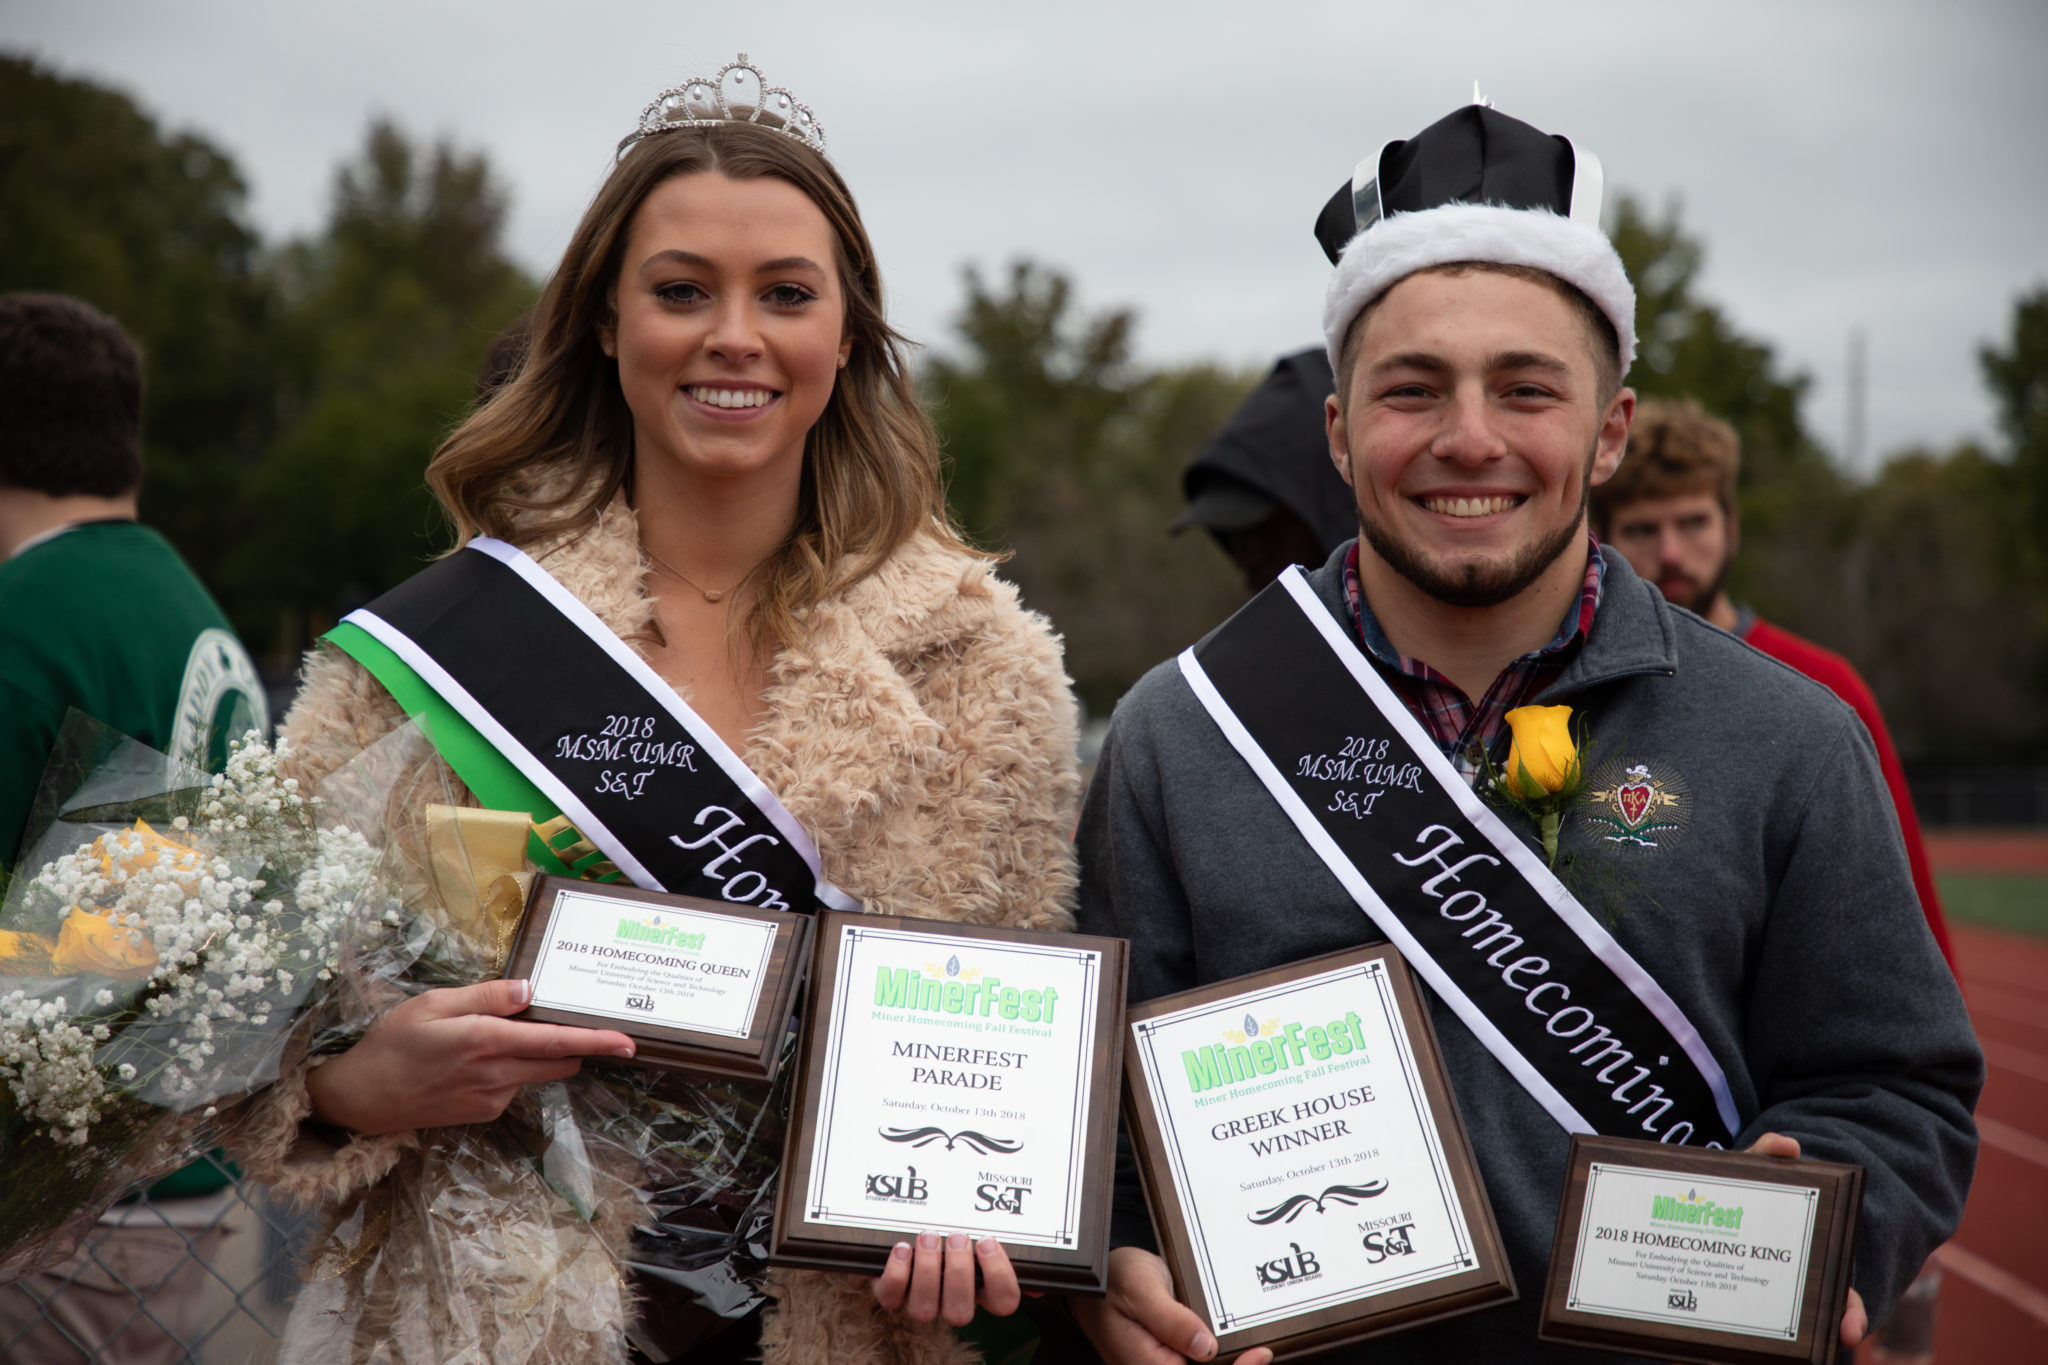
(935, 1282)
(1855, 1321)
(449, 1056)
(1141, 1323)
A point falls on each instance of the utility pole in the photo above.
(1859, 399)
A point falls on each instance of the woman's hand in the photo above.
(1141, 1323)
(929, 1283)
(448, 1056)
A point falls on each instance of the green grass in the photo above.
(2012, 902)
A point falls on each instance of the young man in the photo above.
(1670, 510)
(1733, 838)
(104, 617)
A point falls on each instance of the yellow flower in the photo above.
(1542, 758)
(91, 942)
(153, 848)
(25, 954)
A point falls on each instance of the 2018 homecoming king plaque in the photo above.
(1687, 1254)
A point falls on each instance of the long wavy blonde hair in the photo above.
(552, 447)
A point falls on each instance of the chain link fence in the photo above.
(205, 1279)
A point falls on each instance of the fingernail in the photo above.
(957, 1242)
(986, 1247)
(1203, 1346)
(622, 1052)
(525, 992)
(900, 1252)
(927, 1241)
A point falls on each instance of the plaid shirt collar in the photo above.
(1462, 728)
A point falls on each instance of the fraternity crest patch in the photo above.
(1633, 803)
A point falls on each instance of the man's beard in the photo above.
(1700, 600)
(1478, 585)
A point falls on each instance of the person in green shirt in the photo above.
(101, 614)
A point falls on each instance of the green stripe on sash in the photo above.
(495, 779)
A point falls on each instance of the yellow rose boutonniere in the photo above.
(1545, 769)
(1541, 756)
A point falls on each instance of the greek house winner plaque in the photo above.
(699, 985)
(957, 1078)
(1686, 1254)
(1308, 1172)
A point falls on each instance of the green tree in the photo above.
(1064, 451)
(387, 314)
(1948, 637)
(1689, 348)
(1797, 509)
(151, 228)
(2017, 376)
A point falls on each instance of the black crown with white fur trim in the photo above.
(1474, 186)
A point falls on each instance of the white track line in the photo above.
(2013, 1141)
(2000, 1284)
(2023, 1061)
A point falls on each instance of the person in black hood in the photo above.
(1264, 485)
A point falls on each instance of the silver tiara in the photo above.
(737, 94)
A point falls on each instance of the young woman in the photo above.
(714, 446)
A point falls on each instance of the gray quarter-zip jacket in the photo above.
(1778, 912)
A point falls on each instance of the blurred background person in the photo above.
(507, 352)
(103, 616)
(1670, 509)
(1263, 485)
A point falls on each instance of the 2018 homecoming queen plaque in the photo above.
(957, 1078)
(1308, 1173)
(698, 985)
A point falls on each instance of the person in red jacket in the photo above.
(1670, 509)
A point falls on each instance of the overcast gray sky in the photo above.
(1875, 164)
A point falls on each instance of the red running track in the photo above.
(1984, 850)
(1994, 1292)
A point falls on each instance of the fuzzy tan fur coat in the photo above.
(925, 737)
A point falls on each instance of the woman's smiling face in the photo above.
(729, 326)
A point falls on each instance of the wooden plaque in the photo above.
(1682, 1253)
(955, 1078)
(700, 985)
(1308, 1172)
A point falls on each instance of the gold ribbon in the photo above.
(478, 862)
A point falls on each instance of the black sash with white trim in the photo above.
(1576, 1020)
(596, 730)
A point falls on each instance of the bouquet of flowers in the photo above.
(175, 941)
(152, 972)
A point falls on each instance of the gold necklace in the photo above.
(708, 594)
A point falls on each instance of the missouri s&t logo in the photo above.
(1302, 1265)
(910, 1188)
(1380, 1243)
(991, 1198)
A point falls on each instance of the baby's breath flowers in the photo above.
(177, 969)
